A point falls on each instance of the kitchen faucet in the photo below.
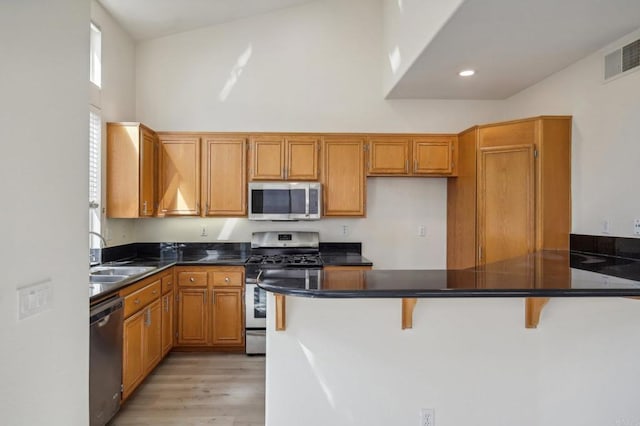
(96, 257)
(97, 234)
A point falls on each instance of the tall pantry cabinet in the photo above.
(512, 195)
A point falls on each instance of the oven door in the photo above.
(255, 307)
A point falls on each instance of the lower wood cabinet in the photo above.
(210, 304)
(148, 328)
(350, 277)
(227, 317)
(193, 317)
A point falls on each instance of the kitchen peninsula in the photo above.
(339, 359)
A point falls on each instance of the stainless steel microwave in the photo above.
(284, 200)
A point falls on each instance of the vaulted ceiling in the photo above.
(511, 44)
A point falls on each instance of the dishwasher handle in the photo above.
(101, 313)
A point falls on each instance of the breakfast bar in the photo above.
(452, 341)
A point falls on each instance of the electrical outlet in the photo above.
(606, 226)
(422, 231)
(636, 227)
(345, 230)
(204, 231)
(427, 417)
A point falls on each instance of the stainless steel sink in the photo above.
(120, 270)
(107, 278)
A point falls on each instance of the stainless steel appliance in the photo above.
(105, 360)
(270, 252)
(284, 200)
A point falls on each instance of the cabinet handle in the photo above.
(284, 173)
(204, 299)
(415, 165)
(192, 279)
(147, 317)
(206, 208)
(144, 207)
(406, 166)
(166, 303)
(213, 296)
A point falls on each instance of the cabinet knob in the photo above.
(192, 279)
(154, 292)
(137, 301)
(226, 279)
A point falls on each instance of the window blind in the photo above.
(95, 132)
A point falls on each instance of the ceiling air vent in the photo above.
(622, 60)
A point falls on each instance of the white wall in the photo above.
(43, 219)
(347, 362)
(606, 142)
(389, 234)
(312, 68)
(409, 26)
(116, 101)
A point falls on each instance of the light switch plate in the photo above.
(34, 298)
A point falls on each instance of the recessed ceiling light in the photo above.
(466, 73)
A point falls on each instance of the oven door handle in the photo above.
(258, 277)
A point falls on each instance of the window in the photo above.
(95, 55)
(95, 149)
(95, 141)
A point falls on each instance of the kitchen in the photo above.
(604, 168)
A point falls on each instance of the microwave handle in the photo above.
(306, 201)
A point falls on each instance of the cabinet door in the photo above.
(302, 158)
(343, 176)
(167, 322)
(132, 363)
(193, 317)
(148, 154)
(388, 156)
(433, 156)
(505, 202)
(267, 158)
(344, 277)
(224, 172)
(179, 175)
(227, 317)
(152, 352)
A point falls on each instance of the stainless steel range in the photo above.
(272, 251)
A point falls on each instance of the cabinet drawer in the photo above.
(227, 278)
(167, 283)
(141, 298)
(192, 279)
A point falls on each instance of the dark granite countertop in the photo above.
(541, 274)
(344, 259)
(165, 255)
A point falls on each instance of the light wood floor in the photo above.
(192, 389)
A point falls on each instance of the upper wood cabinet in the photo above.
(433, 155)
(131, 170)
(343, 176)
(179, 175)
(224, 176)
(399, 155)
(389, 156)
(512, 195)
(280, 157)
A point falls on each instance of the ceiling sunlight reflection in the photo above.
(395, 59)
(235, 73)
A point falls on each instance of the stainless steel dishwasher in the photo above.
(105, 360)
